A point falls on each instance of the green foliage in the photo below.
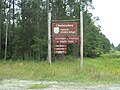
(39, 48)
(95, 43)
(38, 86)
(118, 47)
(27, 39)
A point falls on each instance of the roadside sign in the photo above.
(58, 45)
(60, 52)
(64, 33)
(58, 49)
(64, 28)
(66, 40)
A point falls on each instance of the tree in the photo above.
(95, 43)
(33, 14)
(118, 47)
(27, 36)
(0, 22)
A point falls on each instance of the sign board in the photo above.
(64, 33)
(62, 46)
(60, 52)
(66, 40)
(64, 28)
(58, 49)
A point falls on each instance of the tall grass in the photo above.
(105, 69)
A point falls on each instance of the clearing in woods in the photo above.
(96, 73)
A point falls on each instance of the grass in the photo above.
(38, 86)
(105, 69)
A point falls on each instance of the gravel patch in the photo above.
(14, 84)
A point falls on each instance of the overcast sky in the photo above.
(109, 13)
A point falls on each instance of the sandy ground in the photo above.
(14, 84)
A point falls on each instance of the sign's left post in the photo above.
(49, 32)
(49, 37)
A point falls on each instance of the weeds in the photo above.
(38, 86)
(98, 70)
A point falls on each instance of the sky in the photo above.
(109, 13)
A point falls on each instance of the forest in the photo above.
(24, 34)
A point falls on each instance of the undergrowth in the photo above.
(105, 69)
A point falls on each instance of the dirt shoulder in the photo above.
(14, 84)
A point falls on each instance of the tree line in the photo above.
(25, 23)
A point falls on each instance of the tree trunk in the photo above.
(6, 40)
(0, 21)
(13, 26)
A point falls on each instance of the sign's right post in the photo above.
(81, 34)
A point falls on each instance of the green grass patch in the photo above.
(38, 86)
(104, 69)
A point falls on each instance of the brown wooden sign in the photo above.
(64, 33)
(60, 46)
(59, 49)
(66, 40)
(64, 28)
(60, 52)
